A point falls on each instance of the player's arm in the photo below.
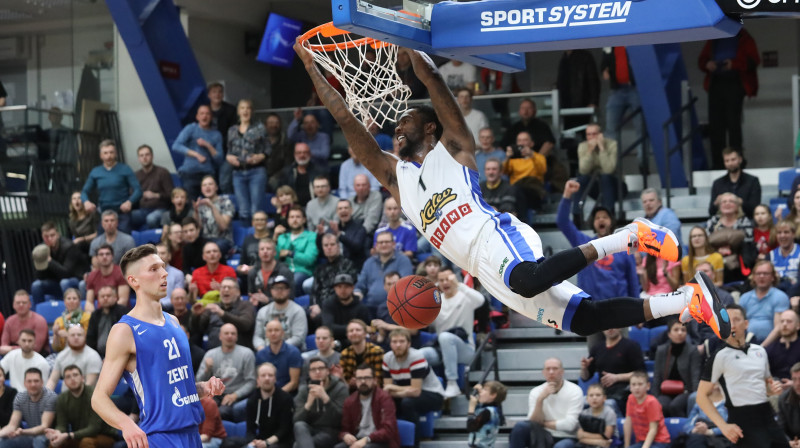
(381, 164)
(457, 137)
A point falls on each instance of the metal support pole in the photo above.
(667, 173)
(686, 130)
(795, 113)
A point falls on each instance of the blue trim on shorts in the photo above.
(572, 307)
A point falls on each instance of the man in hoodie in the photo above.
(318, 407)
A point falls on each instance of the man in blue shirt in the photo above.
(285, 357)
(116, 185)
(405, 235)
(369, 287)
(348, 171)
(487, 150)
(201, 146)
(658, 214)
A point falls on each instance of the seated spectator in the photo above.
(283, 201)
(175, 277)
(61, 264)
(308, 132)
(121, 242)
(36, 407)
(525, 169)
(215, 213)
(348, 170)
(290, 315)
(643, 416)
(785, 351)
(177, 304)
(410, 381)
(156, 184)
(207, 278)
(381, 430)
(82, 224)
(476, 120)
(553, 409)
(405, 235)
(179, 209)
(615, 359)
(737, 182)
(350, 232)
(16, 362)
(23, 318)
(677, 371)
(322, 209)
(318, 407)
(764, 233)
(299, 175)
(285, 357)
(109, 274)
(339, 312)
(765, 303)
(794, 210)
(789, 408)
(323, 337)
(487, 150)
(212, 431)
(370, 280)
(458, 74)
(323, 288)
(700, 431)
(173, 240)
(247, 149)
(731, 233)
(249, 249)
(201, 146)
(360, 352)
(116, 186)
(453, 329)
(538, 129)
(298, 247)
(7, 396)
(658, 276)
(785, 257)
(597, 156)
(655, 212)
(210, 318)
(432, 265)
(103, 318)
(485, 413)
(497, 192)
(235, 365)
(193, 244)
(72, 315)
(77, 424)
(266, 268)
(701, 334)
(76, 354)
(701, 251)
(597, 423)
(367, 203)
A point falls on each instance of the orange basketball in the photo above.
(414, 302)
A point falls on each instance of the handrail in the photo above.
(622, 153)
(688, 101)
(489, 343)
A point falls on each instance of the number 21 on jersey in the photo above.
(172, 347)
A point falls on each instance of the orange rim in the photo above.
(328, 30)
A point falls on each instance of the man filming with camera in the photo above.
(318, 407)
(526, 169)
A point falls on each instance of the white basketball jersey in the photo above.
(443, 200)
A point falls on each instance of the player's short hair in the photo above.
(597, 386)
(736, 306)
(33, 370)
(27, 331)
(48, 226)
(400, 332)
(641, 374)
(105, 246)
(498, 389)
(72, 367)
(141, 147)
(428, 115)
(136, 254)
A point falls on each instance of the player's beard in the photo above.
(409, 148)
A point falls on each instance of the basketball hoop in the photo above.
(373, 89)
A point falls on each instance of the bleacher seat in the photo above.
(655, 334)
(50, 310)
(58, 386)
(641, 336)
(303, 301)
(785, 179)
(121, 388)
(234, 260)
(426, 337)
(427, 422)
(674, 426)
(584, 385)
(311, 342)
(235, 429)
(240, 231)
(406, 430)
(152, 236)
(176, 180)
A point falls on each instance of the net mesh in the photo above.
(373, 89)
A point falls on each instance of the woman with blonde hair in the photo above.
(72, 315)
(701, 250)
(731, 233)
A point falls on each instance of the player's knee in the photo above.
(584, 321)
(525, 281)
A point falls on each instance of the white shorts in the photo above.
(502, 245)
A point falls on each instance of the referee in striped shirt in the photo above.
(742, 369)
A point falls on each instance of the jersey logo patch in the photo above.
(433, 209)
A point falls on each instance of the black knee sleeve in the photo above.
(593, 316)
(530, 278)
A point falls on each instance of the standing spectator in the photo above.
(540, 132)
(77, 425)
(495, 82)
(300, 173)
(212, 431)
(249, 249)
(730, 68)
(487, 150)
(525, 170)
(785, 352)
(360, 352)
(235, 366)
(366, 203)
(318, 142)
(731, 232)
(375, 427)
(701, 251)
(223, 116)
(338, 312)
(348, 171)
(247, 147)
(120, 241)
(676, 362)
(67, 263)
(76, 354)
(193, 244)
(285, 357)
(23, 318)
(322, 209)
(765, 303)
(298, 247)
(453, 329)
(485, 413)
(350, 232)
(156, 184)
(578, 85)
(82, 224)
(475, 119)
(16, 362)
(746, 186)
(622, 97)
(789, 408)
(179, 209)
(615, 360)
(72, 315)
(215, 213)
(700, 431)
(201, 147)
(786, 257)
(597, 156)
(655, 212)
(103, 318)
(116, 186)
(175, 278)
(36, 407)
(318, 407)
(325, 274)
(497, 192)
(408, 378)
(405, 236)
(279, 148)
(7, 396)
(207, 278)
(210, 319)
(370, 280)
(458, 74)
(644, 419)
(291, 316)
(553, 409)
(267, 267)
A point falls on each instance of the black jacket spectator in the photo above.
(324, 274)
(336, 316)
(257, 283)
(789, 413)
(269, 417)
(94, 333)
(68, 260)
(193, 255)
(301, 184)
(747, 187)
(355, 242)
(624, 357)
(539, 130)
(500, 197)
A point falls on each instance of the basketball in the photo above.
(414, 302)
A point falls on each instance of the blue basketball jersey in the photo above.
(163, 381)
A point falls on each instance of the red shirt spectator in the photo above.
(24, 318)
(212, 426)
(212, 271)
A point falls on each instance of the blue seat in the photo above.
(427, 422)
(176, 180)
(426, 337)
(655, 333)
(584, 385)
(240, 231)
(234, 260)
(58, 386)
(235, 429)
(152, 236)
(640, 336)
(121, 388)
(785, 179)
(311, 342)
(303, 301)
(406, 430)
(50, 310)
(674, 426)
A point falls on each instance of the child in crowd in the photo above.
(485, 413)
(644, 416)
(763, 231)
(786, 256)
(597, 422)
(285, 197)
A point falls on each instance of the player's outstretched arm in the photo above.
(381, 164)
(118, 354)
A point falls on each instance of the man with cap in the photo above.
(291, 315)
(337, 313)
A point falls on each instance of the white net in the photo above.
(373, 89)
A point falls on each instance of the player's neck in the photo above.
(147, 309)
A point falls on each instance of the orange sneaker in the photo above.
(653, 239)
(705, 307)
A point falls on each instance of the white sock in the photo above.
(668, 304)
(611, 244)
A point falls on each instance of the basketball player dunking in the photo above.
(436, 184)
(149, 348)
